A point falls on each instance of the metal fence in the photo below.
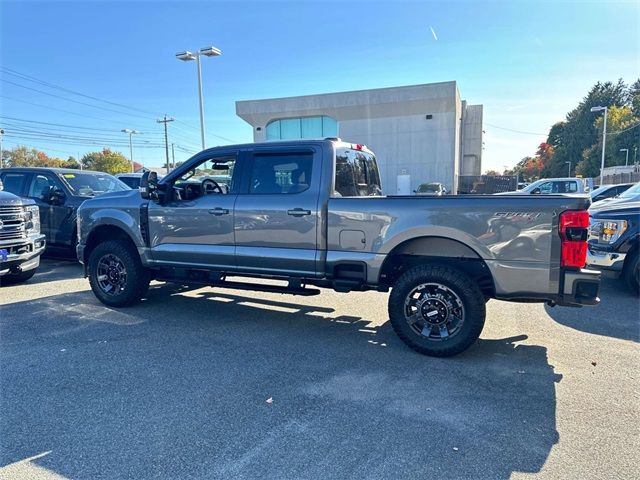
(629, 177)
(486, 184)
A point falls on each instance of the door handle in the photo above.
(219, 211)
(298, 212)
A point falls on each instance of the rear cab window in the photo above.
(356, 174)
(14, 182)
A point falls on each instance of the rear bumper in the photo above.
(579, 287)
(23, 255)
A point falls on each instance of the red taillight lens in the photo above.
(573, 233)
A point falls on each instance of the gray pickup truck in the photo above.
(21, 242)
(310, 213)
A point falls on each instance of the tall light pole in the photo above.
(626, 162)
(604, 139)
(569, 168)
(130, 132)
(188, 56)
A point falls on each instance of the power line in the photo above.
(516, 131)
(68, 90)
(70, 100)
(625, 130)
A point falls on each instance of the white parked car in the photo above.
(553, 186)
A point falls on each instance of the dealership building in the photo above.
(419, 133)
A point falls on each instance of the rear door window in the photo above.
(14, 182)
(280, 173)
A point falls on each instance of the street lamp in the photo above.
(626, 162)
(130, 132)
(569, 168)
(188, 56)
(604, 139)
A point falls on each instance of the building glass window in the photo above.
(305, 127)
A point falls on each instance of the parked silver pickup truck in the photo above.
(21, 242)
(311, 213)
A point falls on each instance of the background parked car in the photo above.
(614, 239)
(553, 186)
(58, 192)
(631, 194)
(433, 189)
(132, 180)
(609, 191)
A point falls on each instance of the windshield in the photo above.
(429, 187)
(219, 170)
(92, 184)
(599, 190)
(632, 192)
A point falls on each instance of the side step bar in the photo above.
(304, 291)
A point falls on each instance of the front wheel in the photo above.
(116, 274)
(437, 310)
(632, 272)
(13, 278)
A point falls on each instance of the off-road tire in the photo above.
(137, 277)
(464, 289)
(631, 271)
(13, 278)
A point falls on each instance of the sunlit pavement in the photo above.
(207, 383)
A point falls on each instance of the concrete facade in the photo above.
(425, 131)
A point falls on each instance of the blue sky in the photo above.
(528, 63)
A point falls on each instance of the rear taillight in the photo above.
(573, 234)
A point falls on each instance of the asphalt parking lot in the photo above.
(204, 383)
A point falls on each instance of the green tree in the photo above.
(578, 132)
(106, 161)
(619, 135)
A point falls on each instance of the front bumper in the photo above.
(606, 260)
(23, 255)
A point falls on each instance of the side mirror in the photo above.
(415, 191)
(535, 191)
(56, 196)
(149, 185)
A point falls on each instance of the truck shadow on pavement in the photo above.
(178, 387)
(617, 315)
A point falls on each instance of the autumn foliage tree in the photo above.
(31, 157)
(106, 161)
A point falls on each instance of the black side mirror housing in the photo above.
(535, 191)
(149, 185)
(56, 196)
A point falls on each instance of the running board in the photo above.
(304, 291)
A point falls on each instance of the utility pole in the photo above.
(1, 135)
(166, 120)
(173, 155)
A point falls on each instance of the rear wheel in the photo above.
(116, 274)
(632, 271)
(437, 310)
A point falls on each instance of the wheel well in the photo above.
(437, 250)
(101, 234)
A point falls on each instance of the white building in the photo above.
(420, 133)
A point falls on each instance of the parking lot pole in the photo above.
(1, 135)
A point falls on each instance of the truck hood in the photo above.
(7, 198)
(617, 208)
(124, 198)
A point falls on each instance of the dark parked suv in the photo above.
(58, 192)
